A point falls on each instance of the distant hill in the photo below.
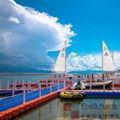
(86, 72)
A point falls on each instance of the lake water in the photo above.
(93, 109)
(10, 79)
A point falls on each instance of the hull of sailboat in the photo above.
(107, 84)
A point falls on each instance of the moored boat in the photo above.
(99, 84)
(5, 93)
(72, 95)
(108, 68)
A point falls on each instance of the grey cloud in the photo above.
(27, 43)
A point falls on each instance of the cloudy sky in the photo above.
(32, 32)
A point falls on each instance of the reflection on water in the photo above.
(98, 109)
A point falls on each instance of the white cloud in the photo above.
(27, 43)
(89, 61)
(14, 20)
(117, 59)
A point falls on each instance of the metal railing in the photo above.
(30, 90)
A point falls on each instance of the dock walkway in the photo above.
(97, 93)
(15, 105)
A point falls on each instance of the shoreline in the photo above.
(23, 74)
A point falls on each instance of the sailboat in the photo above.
(107, 59)
(108, 67)
(60, 66)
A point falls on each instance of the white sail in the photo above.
(60, 66)
(107, 59)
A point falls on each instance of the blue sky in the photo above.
(24, 25)
(92, 20)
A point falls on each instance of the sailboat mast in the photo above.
(65, 65)
(113, 56)
(102, 67)
(102, 54)
(65, 58)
